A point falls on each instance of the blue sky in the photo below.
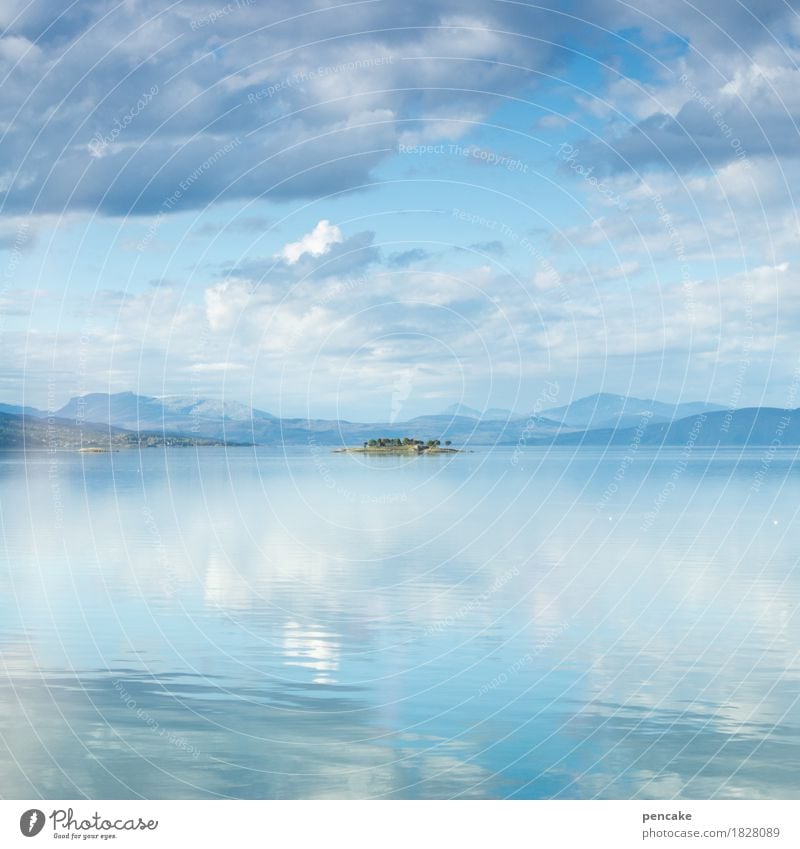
(367, 210)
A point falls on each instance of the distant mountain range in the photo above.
(176, 414)
(604, 410)
(491, 414)
(748, 426)
(230, 421)
(602, 419)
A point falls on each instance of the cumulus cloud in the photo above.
(732, 95)
(128, 109)
(115, 107)
(224, 304)
(316, 243)
(352, 256)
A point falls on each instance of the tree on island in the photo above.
(390, 443)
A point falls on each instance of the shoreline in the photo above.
(409, 451)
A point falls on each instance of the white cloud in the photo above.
(316, 243)
(225, 304)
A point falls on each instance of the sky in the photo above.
(371, 210)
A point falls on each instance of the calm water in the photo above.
(251, 624)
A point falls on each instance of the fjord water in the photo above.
(571, 623)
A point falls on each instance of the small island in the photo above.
(396, 445)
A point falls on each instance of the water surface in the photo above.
(571, 623)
